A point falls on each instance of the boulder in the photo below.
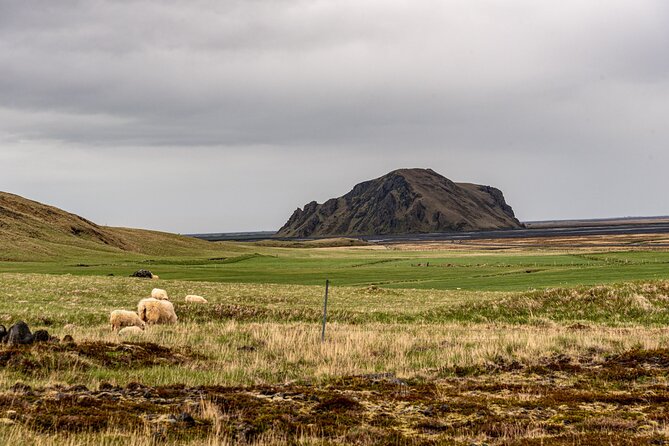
(142, 273)
(19, 333)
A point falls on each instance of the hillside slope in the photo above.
(402, 202)
(30, 230)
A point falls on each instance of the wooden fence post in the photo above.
(325, 310)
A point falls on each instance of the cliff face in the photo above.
(402, 202)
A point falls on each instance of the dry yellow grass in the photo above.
(234, 353)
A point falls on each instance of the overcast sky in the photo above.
(212, 116)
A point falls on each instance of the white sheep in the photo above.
(130, 331)
(124, 318)
(156, 311)
(155, 276)
(157, 293)
(196, 299)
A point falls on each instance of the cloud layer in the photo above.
(230, 114)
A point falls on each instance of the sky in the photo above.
(227, 115)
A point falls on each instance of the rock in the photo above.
(19, 333)
(142, 273)
(41, 336)
(67, 339)
(404, 201)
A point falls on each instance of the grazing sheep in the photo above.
(130, 331)
(157, 293)
(196, 299)
(124, 318)
(156, 311)
(155, 276)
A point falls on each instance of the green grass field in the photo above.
(443, 346)
(358, 267)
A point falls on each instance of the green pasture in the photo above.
(57, 300)
(387, 268)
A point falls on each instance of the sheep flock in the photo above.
(153, 310)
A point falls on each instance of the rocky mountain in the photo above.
(404, 201)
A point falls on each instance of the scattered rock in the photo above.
(143, 274)
(41, 336)
(19, 333)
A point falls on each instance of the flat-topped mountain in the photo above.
(404, 201)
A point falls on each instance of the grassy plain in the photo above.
(428, 344)
(447, 266)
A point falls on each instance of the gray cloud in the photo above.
(570, 97)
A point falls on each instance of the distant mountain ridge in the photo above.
(404, 201)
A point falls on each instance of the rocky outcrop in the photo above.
(404, 201)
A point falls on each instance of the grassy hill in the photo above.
(32, 231)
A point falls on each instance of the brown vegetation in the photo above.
(620, 399)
